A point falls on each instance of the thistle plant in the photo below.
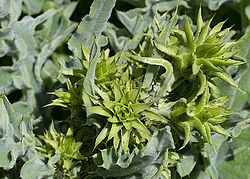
(129, 111)
(206, 51)
(191, 61)
(68, 149)
(205, 118)
(122, 111)
(166, 82)
(69, 98)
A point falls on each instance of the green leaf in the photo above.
(237, 165)
(199, 23)
(102, 135)
(125, 139)
(152, 116)
(217, 28)
(188, 161)
(239, 100)
(7, 146)
(168, 76)
(125, 98)
(165, 33)
(113, 119)
(33, 6)
(167, 49)
(187, 132)
(139, 107)
(203, 34)
(116, 141)
(89, 35)
(203, 100)
(149, 76)
(227, 79)
(117, 92)
(134, 95)
(35, 168)
(189, 34)
(102, 94)
(229, 62)
(202, 129)
(137, 161)
(141, 128)
(114, 130)
(100, 110)
(90, 77)
(203, 83)
(210, 66)
(91, 26)
(219, 129)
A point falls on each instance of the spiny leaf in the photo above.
(203, 100)
(226, 78)
(139, 107)
(208, 130)
(113, 119)
(114, 130)
(208, 65)
(189, 34)
(187, 132)
(201, 128)
(199, 23)
(195, 68)
(168, 75)
(116, 141)
(203, 83)
(219, 129)
(101, 93)
(134, 94)
(204, 31)
(141, 127)
(223, 62)
(117, 92)
(99, 110)
(216, 28)
(125, 140)
(165, 33)
(102, 135)
(154, 116)
(167, 49)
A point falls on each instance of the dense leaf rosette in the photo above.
(66, 147)
(206, 51)
(123, 113)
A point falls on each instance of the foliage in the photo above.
(151, 90)
(66, 146)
